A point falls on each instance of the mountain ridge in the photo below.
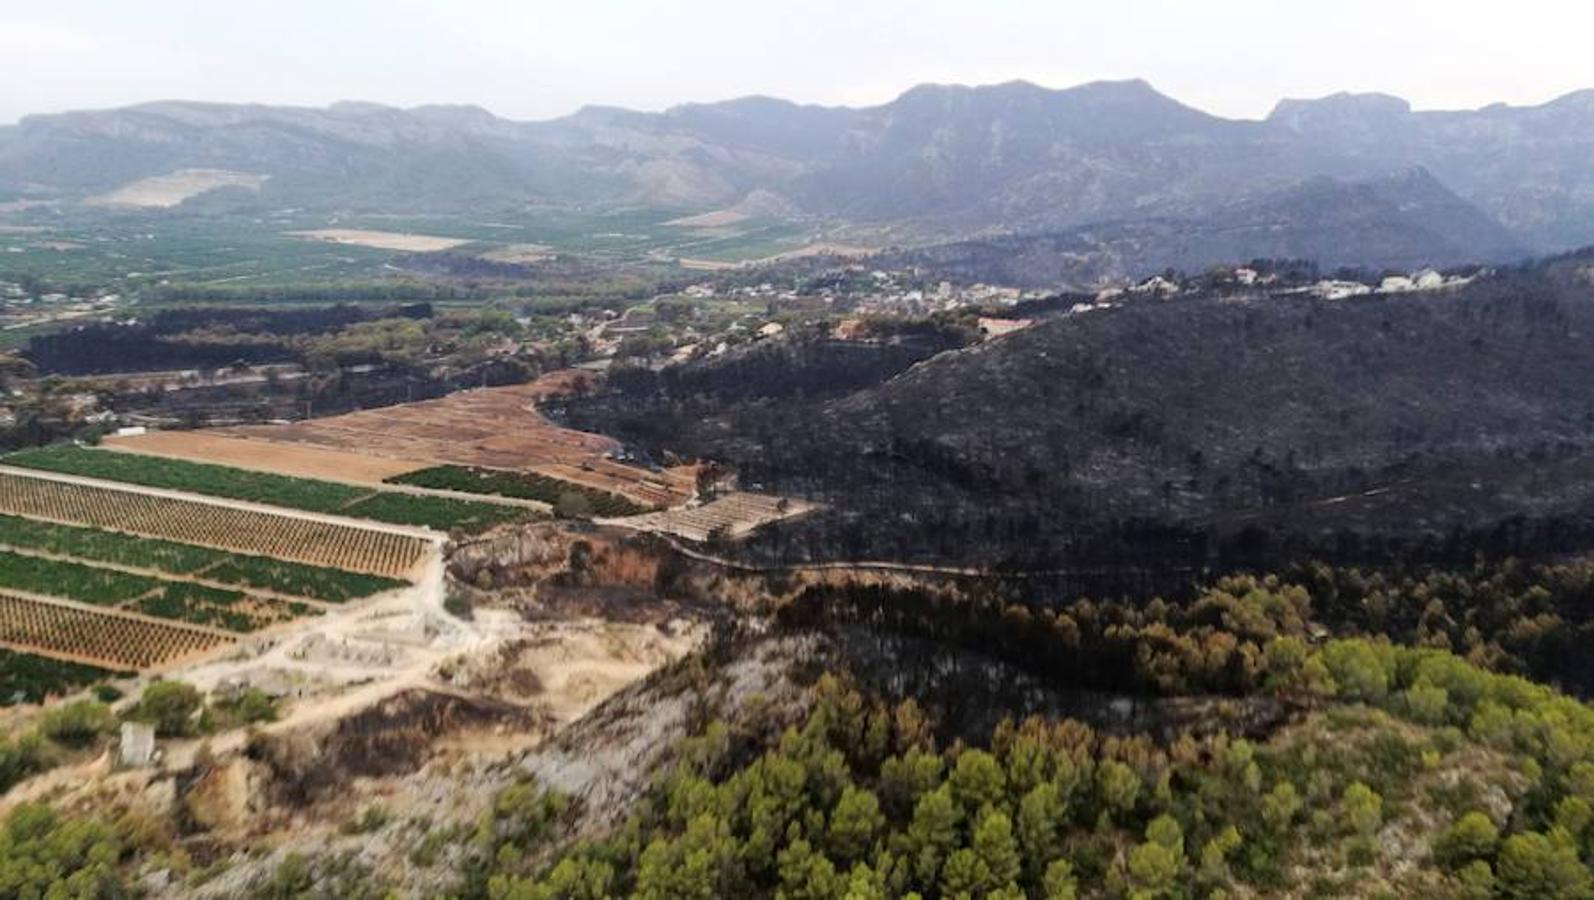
(937, 162)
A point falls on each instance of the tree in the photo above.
(1153, 869)
(1038, 813)
(998, 852)
(169, 706)
(1473, 836)
(853, 824)
(1119, 786)
(1280, 806)
(1059, 882)
(977, 780)
(700, 864)
(932, 833)
(964, 874)
(806, 875)
(1165, 830)
(1361, 810)
(1534, 867)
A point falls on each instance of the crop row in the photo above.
(254, 532)
(521, 485)
(180, 600)
(311, 495)
(315, 582)
(257, 572)
(113, 640)
(85, 584)
(106, 546)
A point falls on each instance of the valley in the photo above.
(986, 493)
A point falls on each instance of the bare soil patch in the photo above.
(162, 191)
(287, 459)
(495, 428)
(719, 218)
(381, 240)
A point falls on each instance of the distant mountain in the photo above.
(1404, 221)
(938, 162)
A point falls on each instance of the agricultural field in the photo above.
(184, 601)
(253, 532)
(29, 678)
(124, 579)
(103, 637)
(85, 584)
(298, 460)
(169, 557)
(381, 240)
(442, 513)
(521, 485)
(131, 247)
(486, 429)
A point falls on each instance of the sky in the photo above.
(536, 59)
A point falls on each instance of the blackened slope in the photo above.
(1455, 410)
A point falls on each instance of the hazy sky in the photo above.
(541, 58)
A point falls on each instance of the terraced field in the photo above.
(254, 532)
(184, 601)
(115, 577)
(169, 557)
(310, 495)
(100, 637)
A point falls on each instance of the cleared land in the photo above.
(382, 240)
(441, 513)
(99, 637)
(288, 459)
(731, 516)
(719, 218)
(162, 191)
(489, 428)
(248, 531)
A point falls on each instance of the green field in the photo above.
(26, 678)
(260, 573)
(298, 579)
(85, 584)
(521, 485)
(443, 513)
(180, 600)
(132, 249)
